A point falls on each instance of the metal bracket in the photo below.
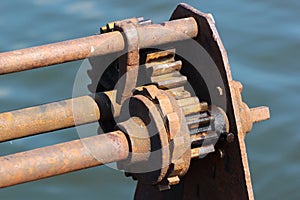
(128, 70)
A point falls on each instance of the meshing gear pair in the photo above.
(167, 125)
(170, 107)
(211, 111)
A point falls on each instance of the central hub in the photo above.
(165, 132)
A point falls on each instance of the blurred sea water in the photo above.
(262, 39)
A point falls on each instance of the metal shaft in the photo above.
(50, 54)
(77, 49)
(62, 158)
(48, 117)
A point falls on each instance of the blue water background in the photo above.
(262, 39)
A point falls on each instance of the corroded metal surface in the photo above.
(61, 52)
(167, 32)
(58, 115)
(128, 71)
(103, 44)
(161, 143)
(215, 176)
(177, 140)
(62, 158)
(162, 116)
(48, 117)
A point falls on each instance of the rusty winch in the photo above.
(169, 112)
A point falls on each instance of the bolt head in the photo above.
(229, 137)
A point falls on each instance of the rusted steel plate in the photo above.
(213, 176)
(225, 173)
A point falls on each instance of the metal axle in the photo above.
(48, 117)
(62, 158)
(77, 49)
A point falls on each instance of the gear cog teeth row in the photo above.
(162, 70)
(166, 75)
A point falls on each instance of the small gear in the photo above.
(164, 72)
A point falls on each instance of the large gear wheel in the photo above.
(161, 69)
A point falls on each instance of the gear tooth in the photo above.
(170, 80)
(161, 57)
(92, 73)
(203, 150)
(192, 109)
(164, 68)
(102, 80)
(166, 75)
(89, 71)
(173, 180)
(92, 88)
(196, 122)
(188, 101)
(179, 93)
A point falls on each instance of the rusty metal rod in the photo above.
(58, 115)
(63, 158)
(77, 49)
(48, 117)
(50, 54)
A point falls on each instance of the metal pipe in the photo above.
(51, 54)
(48, 117)
(58, 115)
(167, 32)
(77, 49)
(63, 158)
